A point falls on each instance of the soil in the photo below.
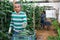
(43, 34)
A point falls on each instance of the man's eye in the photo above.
(16, 6)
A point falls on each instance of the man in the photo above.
(18, 21)
(43, 18)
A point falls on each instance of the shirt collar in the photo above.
(18, 12)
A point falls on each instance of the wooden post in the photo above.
(14, 2)
(34, 18)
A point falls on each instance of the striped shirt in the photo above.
(17, 20)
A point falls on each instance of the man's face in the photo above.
(17, 7)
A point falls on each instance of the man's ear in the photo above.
(14, 9)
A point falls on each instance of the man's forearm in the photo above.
(10, 28)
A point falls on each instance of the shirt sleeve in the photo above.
(11, 22)
(25, 20)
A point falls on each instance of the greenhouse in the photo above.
(29, 19)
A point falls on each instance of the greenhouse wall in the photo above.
(59, 16)
(54, 5)
(50, 13)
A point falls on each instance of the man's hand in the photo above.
(24, 25)
(10, 28)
